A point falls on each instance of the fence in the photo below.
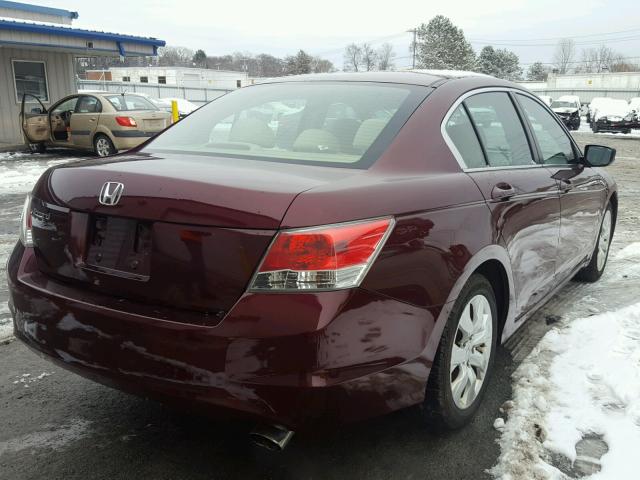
(197, 95)
(588, 94)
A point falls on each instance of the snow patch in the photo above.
(581, 380)
(52, 436)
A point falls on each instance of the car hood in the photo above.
(564, 110)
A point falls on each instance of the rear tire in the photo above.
(594, 270)
(464, 359)
(103, 146)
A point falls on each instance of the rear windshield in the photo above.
(342, 124)
(130, 102)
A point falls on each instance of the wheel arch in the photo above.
(493, 262)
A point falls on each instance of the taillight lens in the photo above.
(26, 237)
(322, 258)
(126, 121)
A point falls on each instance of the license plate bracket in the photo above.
(119, 246)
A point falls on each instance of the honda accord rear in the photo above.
(292, 252)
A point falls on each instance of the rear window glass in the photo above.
(343, 124)
(130, 102)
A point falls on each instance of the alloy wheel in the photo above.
(471, 351)
(103, 148)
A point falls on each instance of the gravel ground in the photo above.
(57, 425)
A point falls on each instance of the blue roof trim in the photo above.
(27, 7)
(74, 49)
(77, 32)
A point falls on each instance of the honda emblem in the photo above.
(110, 193)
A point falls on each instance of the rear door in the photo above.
(583, 192)
(84, 120)
(521, 194)
(34, 121)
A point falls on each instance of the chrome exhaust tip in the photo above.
(272, 437)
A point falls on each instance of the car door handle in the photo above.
(92, 119)
(502, 191)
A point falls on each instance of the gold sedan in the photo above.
(102, 122)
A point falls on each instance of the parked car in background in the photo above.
(568, 109)
(102, 122)
(614, 116)
(634, 106)
(285, 270)
(546, 99)
(594, 105)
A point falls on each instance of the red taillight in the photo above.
(322, 257)
(126, 121)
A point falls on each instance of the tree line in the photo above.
(441, 45)
(260, 65)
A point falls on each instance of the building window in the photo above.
(162, 80)
(30, 77)
(238, 83)
(126, 79)
(144, 79)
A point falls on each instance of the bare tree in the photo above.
(369, 57)
(321, 65)
(385, 56)
(596, 60)
(352, 57)
(564, 54)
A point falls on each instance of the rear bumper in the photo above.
(125, 140)
(293, 359)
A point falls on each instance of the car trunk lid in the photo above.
(187, 232)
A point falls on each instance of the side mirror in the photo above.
(36, 110)
(599, 155)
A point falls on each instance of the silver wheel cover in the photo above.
(471, 351)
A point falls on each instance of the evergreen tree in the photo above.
(442, 45)
(500, 63)
(298, 64)
(537, 72)
(200, 58)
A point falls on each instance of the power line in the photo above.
(562, 38)
(594, 42)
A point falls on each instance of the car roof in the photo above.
(412, 77)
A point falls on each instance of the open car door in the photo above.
(35, 123)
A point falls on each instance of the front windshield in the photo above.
(328, 123)
(558, 104)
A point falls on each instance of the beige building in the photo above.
(37, 49)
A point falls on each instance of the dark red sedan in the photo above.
(319, 248)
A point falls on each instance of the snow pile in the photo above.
(26, 378)
(581, 384)
(20, 173)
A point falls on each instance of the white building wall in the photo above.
(60, 82)
(183, 77)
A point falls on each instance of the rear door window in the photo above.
(555, 146)
(130, 102)
(500, 129)
(88, 104)
(461, 133)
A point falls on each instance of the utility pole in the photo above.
(413, 46)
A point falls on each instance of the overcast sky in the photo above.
(324, 27)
